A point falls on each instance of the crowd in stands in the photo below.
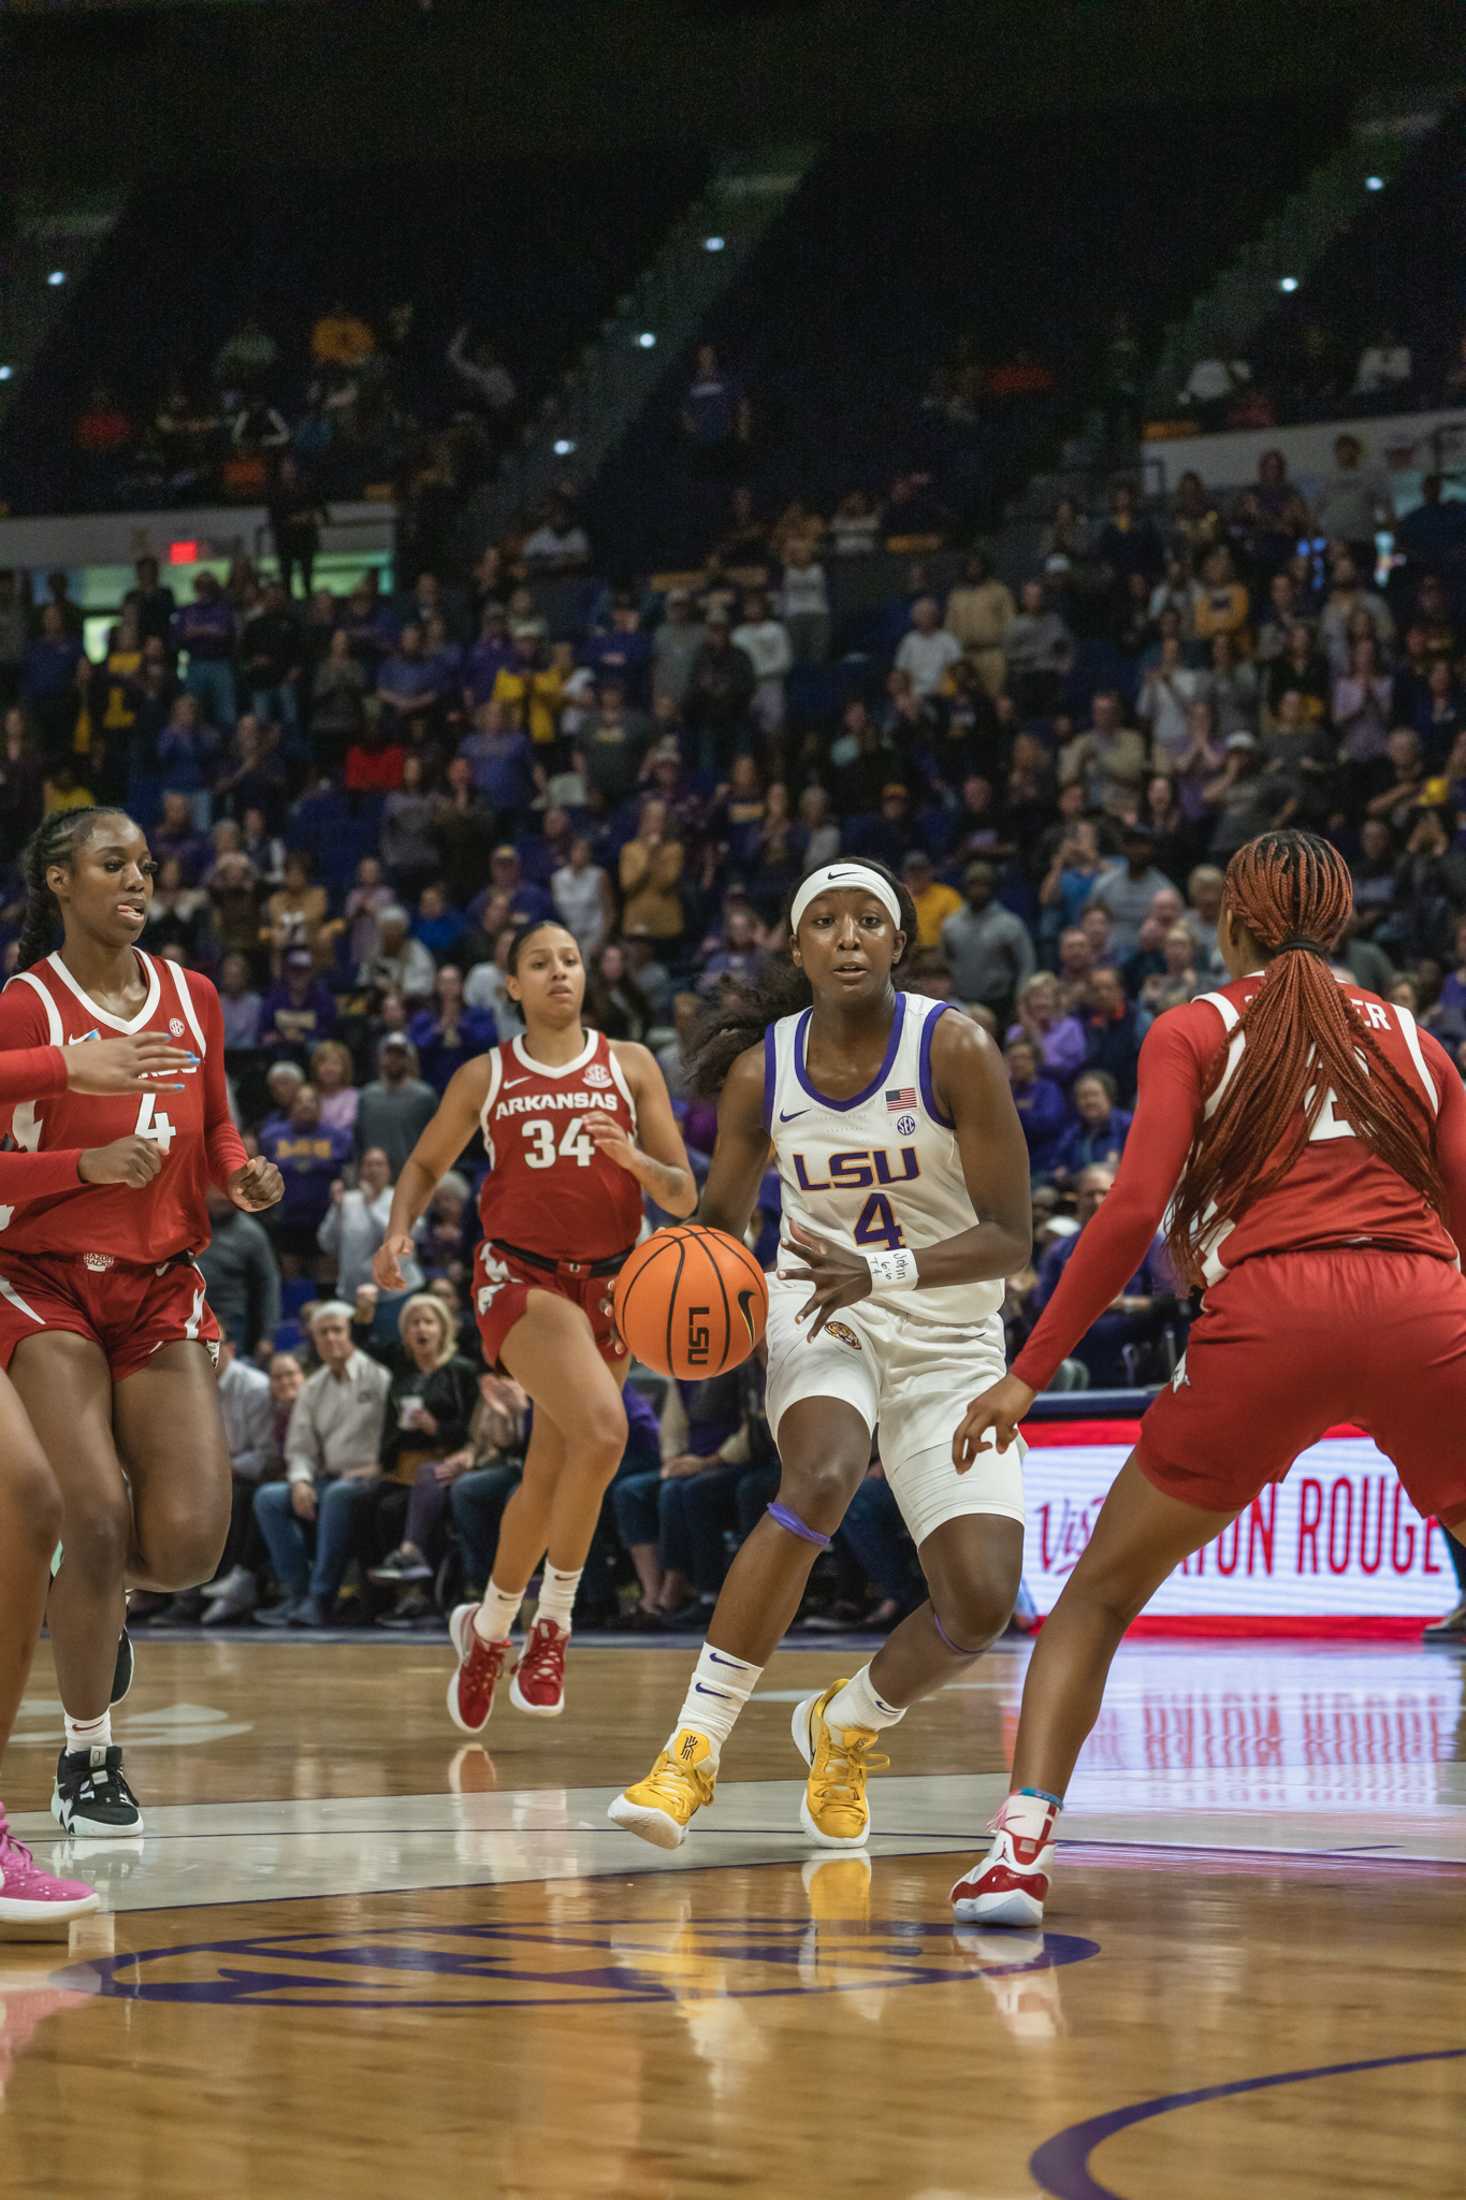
(354, 799)
(1302, 371)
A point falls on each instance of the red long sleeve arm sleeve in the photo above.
(30, 1073)
(1450, 1135)
(222, 1141)
(26, 1176)
(1117, 1240)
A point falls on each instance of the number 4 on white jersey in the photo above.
(152, 1123)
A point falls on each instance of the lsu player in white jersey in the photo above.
(906, 1205)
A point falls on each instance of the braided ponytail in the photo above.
(1294, 894)
(53, 841)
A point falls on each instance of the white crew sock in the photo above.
(89, 1733)
(557, 1595)
(497, 1614)
(857, 1704)
(721, 1686)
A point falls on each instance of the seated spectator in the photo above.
(298, 1010)
(1042, 1108)
(1384, 368)
(298, 914)
(355, 1224)
(1433, 534)
(338, 697)
(240, 1003)
(1363, 704)
(855, 525)
(1222, 604)
(614, 1002)
(980, 612)
(205, 632)
(1229, 684)
(765, 641)
(1113, 1030)
(933, 898)
(332, 1075)
(1039, 649)
(309, 1158)
(1127, 889)
(986, 948)
(397, 1106)
(430, 1409)
(178, 916)
(584, 901)
(1243, 800)
(674, 1521)
(1355, 500)
(449, 1033)
(559, 544)
(401, 963)
(1112, 1351)
(1057, 1038)
(928, 651)
(1214, 383)
(239, 1268)
(1108, 758)
(651, 873)
(1099, 1130)
(821, 830)
(332, 1459)
(1177, 979)
(441, 928)
(254, 1428)
(804, 602)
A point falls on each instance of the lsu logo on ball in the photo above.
(699, 1335)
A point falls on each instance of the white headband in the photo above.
(845, 877)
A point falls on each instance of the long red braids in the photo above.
(1303, 1044)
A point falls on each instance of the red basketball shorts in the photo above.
(503, 1279)
(1289, 1346)
(128, 1309)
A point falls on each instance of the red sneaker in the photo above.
(480, 1663)
(538, 1685)
(1010, 1885)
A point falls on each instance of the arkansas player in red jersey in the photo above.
(104, 1328)
(576, 1128)
(1309, 1141)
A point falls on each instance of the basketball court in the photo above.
(350, 1954)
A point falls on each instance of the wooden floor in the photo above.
(350, 1957)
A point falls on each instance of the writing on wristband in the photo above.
(892, 1271)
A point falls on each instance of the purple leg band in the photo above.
(956, 1648)
(796, 1526)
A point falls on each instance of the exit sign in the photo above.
(184, 553)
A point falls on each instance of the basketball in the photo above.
(691, 1301)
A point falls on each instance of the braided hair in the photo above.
(55, 840)
(1304, 1045)
(745, 1008)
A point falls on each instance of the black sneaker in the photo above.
(123, 1670)
(92, 1796)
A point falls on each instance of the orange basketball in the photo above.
(691, 1301)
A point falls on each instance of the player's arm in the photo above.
(1113, 1245)
(656, 1157)
(252, 1184)
(1450, 1135)
(429, 1162)
(971, 1087)
(741, 1152)
(32, 1070)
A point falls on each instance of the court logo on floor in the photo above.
(646, 1960)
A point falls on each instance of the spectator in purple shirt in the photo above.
(407, 688)
(1059, 1039)
(490, 655)
(205, 631)
(502, 761)
(48, 678)
(298, 1012)
(449, 1033)
(310, 1158)
(176, 834)
(622, 650)
(1042, 1109)
(188, 754)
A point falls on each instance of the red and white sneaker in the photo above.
(538, 1685)
(34, 1905)
(1011, 1884)
(477, 1674)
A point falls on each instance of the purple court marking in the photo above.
(494, 1966)
(1061, 2165)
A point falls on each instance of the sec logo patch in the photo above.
(598, 1074)
(175, 1027)
(905, 1125)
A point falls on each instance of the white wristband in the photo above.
(892, 1271)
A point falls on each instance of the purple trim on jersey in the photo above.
(929, 1098)
(843, 1107)
(771, 1075)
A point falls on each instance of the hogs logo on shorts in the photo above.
(99, 1261)
(843, 1334)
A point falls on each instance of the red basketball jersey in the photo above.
(549, 1188)
(192, 1128)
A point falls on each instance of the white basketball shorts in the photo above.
(911, 1379)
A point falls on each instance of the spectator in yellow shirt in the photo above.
(934, 901)
(1222, 604)
(342, 338)
(530, 691)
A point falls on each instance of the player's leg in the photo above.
(32, 1901)
(65, 1386)
(171, 1435)
(1141, 1536)
(576, 1442)
(824, 1449)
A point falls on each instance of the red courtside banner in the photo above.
(1335, 1549)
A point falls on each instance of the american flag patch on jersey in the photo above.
(903, 1097)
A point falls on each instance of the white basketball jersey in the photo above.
(881, 1170)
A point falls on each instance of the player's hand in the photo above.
(611, 1137)
(146, 1063)
(387, 1262)
(999, 1409)
(840, 1277)
(257, 1185)
(303, 1500)
(131, 1161)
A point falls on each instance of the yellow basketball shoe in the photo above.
(662, 1806)
(834, 1811)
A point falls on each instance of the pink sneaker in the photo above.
(33, 1904)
